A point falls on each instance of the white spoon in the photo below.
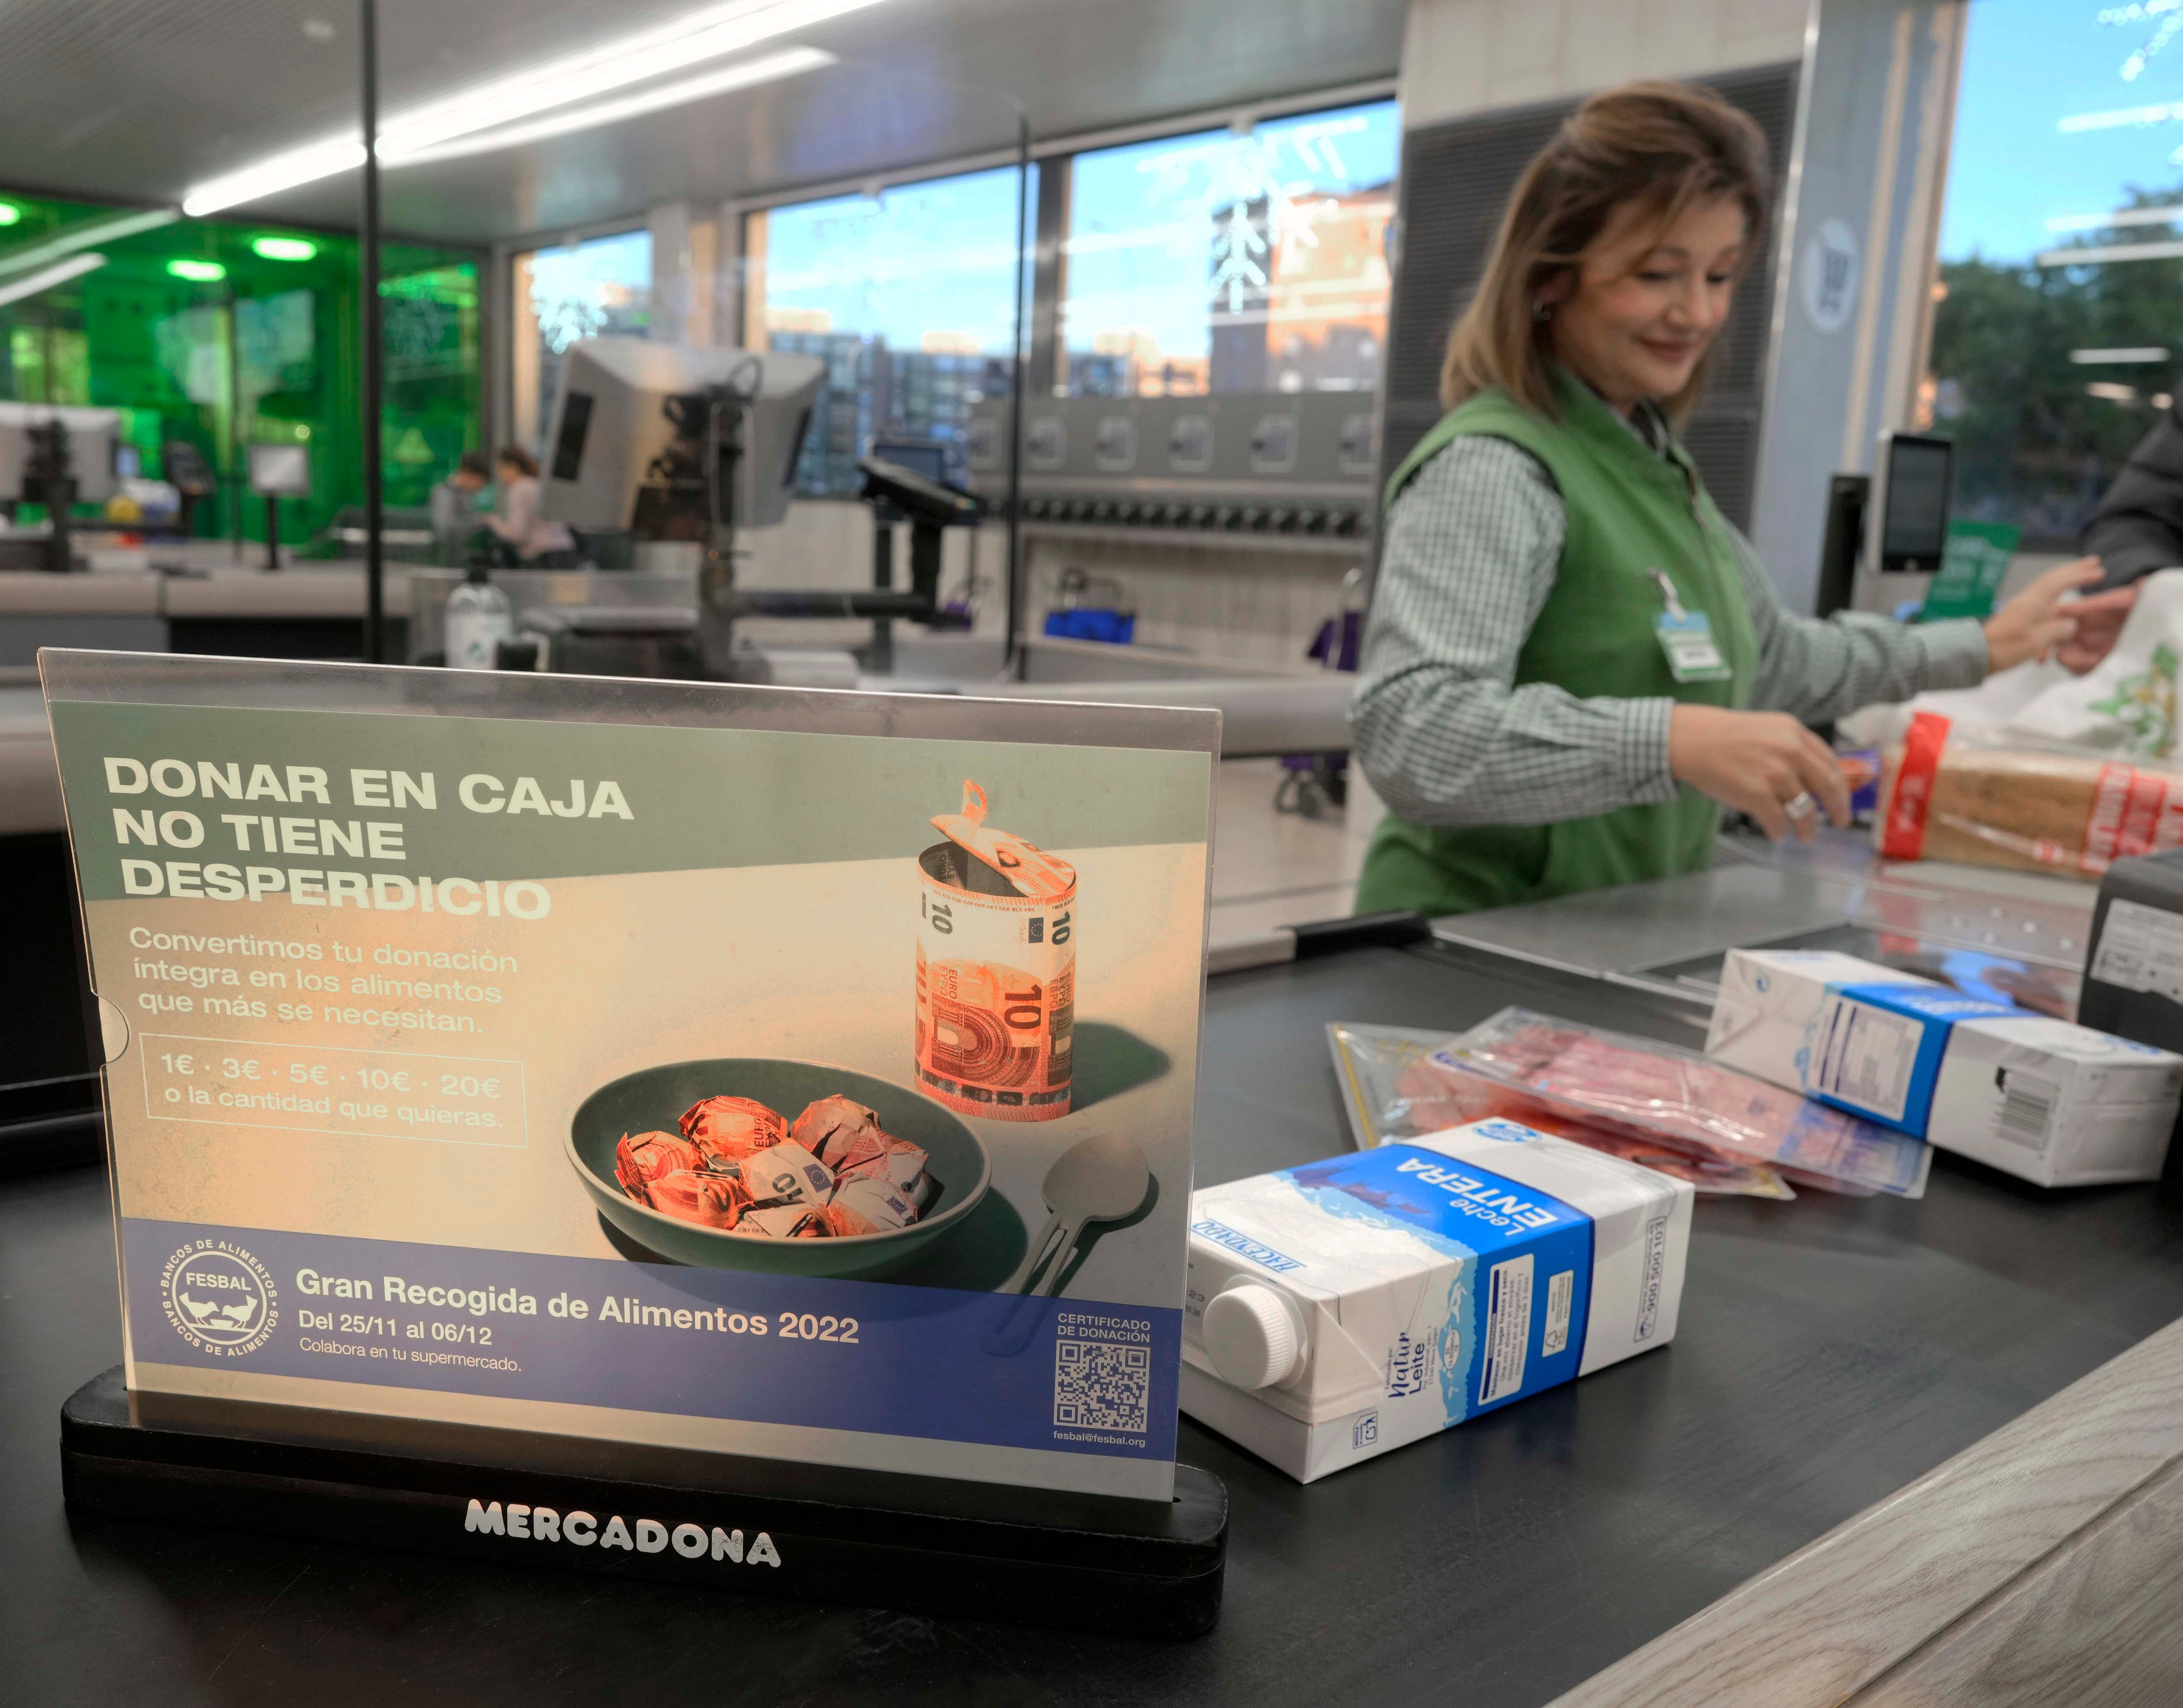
(1101, 1179)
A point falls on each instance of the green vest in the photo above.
(1630, 511)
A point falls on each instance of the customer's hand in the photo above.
(2099, 617)
(1757, 762)
(2035, 622)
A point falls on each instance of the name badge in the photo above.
(1687, 638)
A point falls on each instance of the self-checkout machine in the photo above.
(689, 448)
(726, 1134)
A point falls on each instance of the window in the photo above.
(585, 290)
(2057, 331)
(1221, 262)
(909, 295)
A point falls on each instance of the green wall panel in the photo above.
(267, 353)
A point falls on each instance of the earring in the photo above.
(1542, 311)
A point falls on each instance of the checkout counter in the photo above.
(1899, 1451)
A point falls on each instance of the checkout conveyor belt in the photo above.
(1831, 1351)
(2020, 936)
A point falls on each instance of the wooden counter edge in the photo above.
(1920, 1590)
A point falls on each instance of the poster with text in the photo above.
(798, 1075)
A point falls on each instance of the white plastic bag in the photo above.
(1989, 706)
(2126, 705)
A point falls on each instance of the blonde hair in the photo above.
(1661, 147)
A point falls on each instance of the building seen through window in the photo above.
(587, 290)
(909, 295)
(2058, 330)
(1227, 262)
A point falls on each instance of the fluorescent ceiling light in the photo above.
(708, 33)
(283, 248)
(2111, 392)
(790, 63)
(197, 272)
(2121, 216)
(2135, 353)
(677, 45)
(270, 176)
(73, 268)
(2114, 252)
(9, 213)
(85, 237)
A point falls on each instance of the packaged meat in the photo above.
(1642, 1089)
(1395, 1090)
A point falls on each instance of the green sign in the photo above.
(1973, 566)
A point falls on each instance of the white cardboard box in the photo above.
(2038, 1098)
(1339, 1310)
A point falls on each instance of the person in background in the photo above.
(2137, 526)
(1572, 661)
(454, 506)
(537, 543)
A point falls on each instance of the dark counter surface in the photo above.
(1829, 1351)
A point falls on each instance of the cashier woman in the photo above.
(1573, 662)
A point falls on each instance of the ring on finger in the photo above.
(1801, 805)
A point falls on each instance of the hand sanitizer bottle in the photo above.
(479, 615)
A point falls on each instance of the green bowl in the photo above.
(653, 1101)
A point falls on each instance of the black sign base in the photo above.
(866, 1539)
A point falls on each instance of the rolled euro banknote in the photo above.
(996, 970)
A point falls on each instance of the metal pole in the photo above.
(238, 473)
(375, 354)
(1011, 662)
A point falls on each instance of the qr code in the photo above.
(1100, 1385)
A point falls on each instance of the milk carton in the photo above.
(2035, 1097)
(1341, 1309)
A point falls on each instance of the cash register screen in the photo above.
(1914, 528)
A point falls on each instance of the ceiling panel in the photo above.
(136, 100)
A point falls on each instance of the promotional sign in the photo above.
(799, 1075)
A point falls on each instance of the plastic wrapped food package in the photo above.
(1394, 1090)
(1616, 1092)
(1962, 794)
(1642, 1089)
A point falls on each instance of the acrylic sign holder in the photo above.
(961, 1549)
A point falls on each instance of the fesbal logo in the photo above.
(219, 1298)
